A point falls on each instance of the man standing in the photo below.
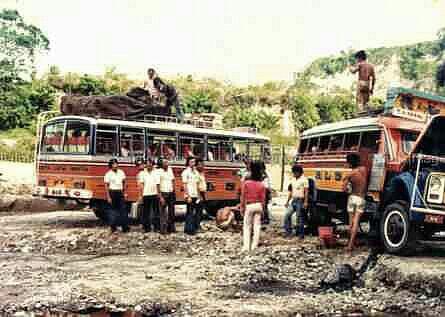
(149, 183)
(114, 181)
(298, 199)
(149, 84)
(366, 80)
(171, 96)
(190, 180)
(202, 186)
(167, 187)
(355, 184)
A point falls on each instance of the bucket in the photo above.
(327, 236)
(325, 232)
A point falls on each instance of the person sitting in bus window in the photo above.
(168, 152)
(149, 191)
(355, 184)
(210, 156)
(187, 151)
(298, 199)
(125, 149)
(115, 183)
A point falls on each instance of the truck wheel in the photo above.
(396, 231)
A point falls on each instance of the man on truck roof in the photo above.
(366, 80)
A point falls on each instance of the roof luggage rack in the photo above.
(197, 123)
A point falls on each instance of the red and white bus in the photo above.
(73, 154)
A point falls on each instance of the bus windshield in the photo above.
(66, 137)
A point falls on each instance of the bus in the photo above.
(383, 142)
(73, 154)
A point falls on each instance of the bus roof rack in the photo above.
(197, 123)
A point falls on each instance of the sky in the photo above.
(240, 41)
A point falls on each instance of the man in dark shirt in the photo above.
(355, 183)
(172, 98)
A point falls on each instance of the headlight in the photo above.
(435, 184)
(436, 189)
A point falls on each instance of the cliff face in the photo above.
(411, 66)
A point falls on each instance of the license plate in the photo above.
(438, 219)
(58, 192)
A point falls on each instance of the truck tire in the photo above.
(99, 208)
(397, 233)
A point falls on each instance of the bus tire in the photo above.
(315, 219)
(397, 233)
(99, 209)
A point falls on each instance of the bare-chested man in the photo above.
(366, 80)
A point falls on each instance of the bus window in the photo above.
(77, 137)
(240, 149)
(219, 149)
(324, 144)
(161, 144)
(313, 145)
(132, 142)
(370, 141)
(408, 140)
(191, 145)
(303, 146)
(106, 140)
(255, 151)
(336, 142)
(52, 140)
(352, 141)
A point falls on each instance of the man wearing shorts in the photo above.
(355, 184)
(366, 80)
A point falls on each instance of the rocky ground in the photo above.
(69, 261)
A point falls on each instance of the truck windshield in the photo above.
(408, 140)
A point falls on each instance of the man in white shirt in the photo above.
(168, 197)
(190, 180)
(149, 84)
(202, 187)
(149, 191)
(299, 199)
(114, 181)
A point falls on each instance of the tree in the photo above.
(199, 102)
(304, 110)
(19, 44)
(239, 116)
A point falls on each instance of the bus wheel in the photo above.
(99, 210)
(396, 231)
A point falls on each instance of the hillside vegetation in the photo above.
(23, 94)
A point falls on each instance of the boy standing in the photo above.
(366, 80)
(298, 199)
(167, 186)
(355, 184)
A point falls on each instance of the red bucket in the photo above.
(325, 232)
(327, 236)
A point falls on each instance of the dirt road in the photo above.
(69, 261)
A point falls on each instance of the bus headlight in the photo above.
(436, 189)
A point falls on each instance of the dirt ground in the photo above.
(69, 261)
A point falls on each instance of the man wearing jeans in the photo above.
(298, 199)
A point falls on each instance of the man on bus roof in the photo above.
(366, 80)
